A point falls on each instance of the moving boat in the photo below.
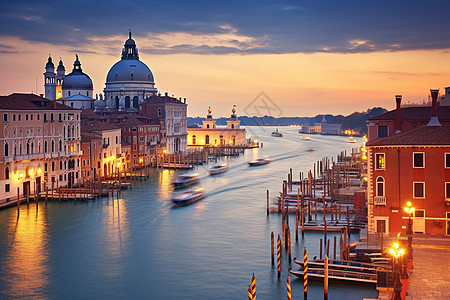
(310, 150)
(338, 275)
(352, 140)
(186, 180)
(306, 138)
(188, 197)
(218, 169)
(259, 161)
(277, 134)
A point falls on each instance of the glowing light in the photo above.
(396, 251)
(118, 164)
(30, 172)
(141, 160)
(409, 208)
(164, 151)
(39, 171)
(20, 175)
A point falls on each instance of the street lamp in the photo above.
(409, 209)
(396, 253)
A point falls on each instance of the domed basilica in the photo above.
(129, 81)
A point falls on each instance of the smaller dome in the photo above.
(130, 42)
(77, 80)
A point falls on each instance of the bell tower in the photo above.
(50, 80)
(209, 123)
(60, 74)
(233, 122)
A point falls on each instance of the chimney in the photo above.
(434, 121)
(398, 114)
(54, 103)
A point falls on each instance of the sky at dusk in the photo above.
(307, 57)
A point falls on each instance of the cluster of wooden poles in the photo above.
(252, 287)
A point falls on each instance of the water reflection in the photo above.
(165, 178)
(26, 259)
(116, 235)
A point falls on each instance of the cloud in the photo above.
(263, 26)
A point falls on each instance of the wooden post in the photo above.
(348, 223)
(334, 248)
(288, 287)
(320, 249)
(325, 221)
(18, 199)
(325, 279)
(278, 255)
(345, 244)
(328, 248)
(272, 247)
(46, 192)
(305, 274)
(253, 287)
(289, 243)
(283, 234)
(250, 295)
(339, 211)
(296, 225)
(267, 202)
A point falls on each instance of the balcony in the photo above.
(28, 156)
(105, 146)
(379, 201)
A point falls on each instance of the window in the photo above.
(45, 117)
(53, 166)
(207, 139)
(159, 112)
(14, 117)
(447, 160)
(419, 189)
(26, 117)
(6, 149)
(7, 173)
(447, 190)
(207, 125)
(380, 187)
(194, 139)
(38, 117)
(20, 118)
(7, 188)
(51, 117)
(31, 117)
(382, 131)
(419, 160)
(5, 117)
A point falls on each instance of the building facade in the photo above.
(40, 145)
(211, 135)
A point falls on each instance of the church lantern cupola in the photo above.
(50, 80)
(233, 122)
(130, 51)
(209, 123)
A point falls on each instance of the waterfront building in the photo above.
(171, 114)
(129, 81)
(142, 136)
(330, 128)
(411, 166)
(40, 145)
(91, 145)
(211, 135)
(111, 146)
(403, 119)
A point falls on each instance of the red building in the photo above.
(412, 166)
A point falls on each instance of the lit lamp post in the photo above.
(410, 210)
(141, 161)
(396, 253)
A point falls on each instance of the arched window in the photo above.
(194, 139)
(159, 112)
(233, 140)
(60, 145)
(380, 187)
(207, 125)
(232, 126)
(46, 167)
(53, 166)
(117, 99)
(127, 102)
(32, 148)
(60, 165)
(132, 75)
(28, 148)
(53, 146)
(136, 102)
(222, 140)
(6, 149)
(45, 147)
(6, 173)
(207, 139)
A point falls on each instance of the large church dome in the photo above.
(77, 80)
(129, 70)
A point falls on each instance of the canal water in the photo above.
(140, 247)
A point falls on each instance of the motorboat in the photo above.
(188, 197)
(352, 140)
(310, 150)
(306, 138)
(259, 161)
(277, 134)
(218, 169)
(186, 180)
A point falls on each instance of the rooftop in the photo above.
(19, 101)
(415, 113)
(424, 135)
